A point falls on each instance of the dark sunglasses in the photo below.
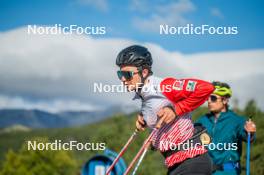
(213, 98)
(128, 75)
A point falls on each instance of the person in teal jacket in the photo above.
(227, 131)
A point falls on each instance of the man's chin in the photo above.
(214, 111)
(211, 109)
(130, 89)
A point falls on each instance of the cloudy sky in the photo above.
(58, 72)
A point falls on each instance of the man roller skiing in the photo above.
(171, 100)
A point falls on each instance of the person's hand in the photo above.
(250, 126)
(167, 114)
(140, 123)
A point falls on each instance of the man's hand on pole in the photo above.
(167, 114)
(140, 123)
(250, 126)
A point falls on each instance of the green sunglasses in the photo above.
(128, 75)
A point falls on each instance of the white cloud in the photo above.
(217, 13)
(141, 6)
(171, 14)
(52, 106)
(243, 70)
(57, 72)
(56, 66)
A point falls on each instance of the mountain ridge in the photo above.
(35, 118)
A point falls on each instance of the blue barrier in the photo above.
(99, 164)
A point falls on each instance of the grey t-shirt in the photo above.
(152, 100)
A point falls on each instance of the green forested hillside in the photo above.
(114, 132)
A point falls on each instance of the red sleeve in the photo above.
(186, 94)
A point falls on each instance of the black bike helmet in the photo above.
(135, 55)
